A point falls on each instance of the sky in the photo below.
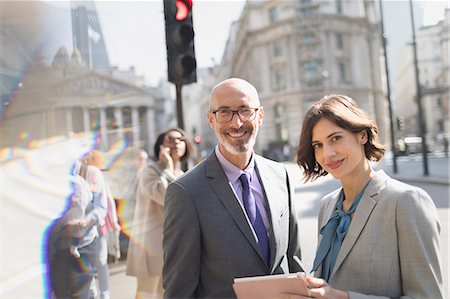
(134, 31)
(139, 41)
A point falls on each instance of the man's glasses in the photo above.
(171, 139)
(226, 115)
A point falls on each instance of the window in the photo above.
(273, 14)
(436, 51)
(310, 69)
(339, 6)
(344, 71)
(281, 125)
(309, 37)
(339, 41)
(279, 79)
(341, 67)
(277, 49)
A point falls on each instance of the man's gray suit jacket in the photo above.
(207, 239)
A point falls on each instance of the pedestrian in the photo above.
(108, 226)
(445, 146)
(145, 254)
(125, 173)
(232, 215)
(75, 237)
(378, 237)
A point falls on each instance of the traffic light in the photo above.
(181, 63)
(400, 123)
(198, 139)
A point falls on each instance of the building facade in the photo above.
(295, 52)
(433, 64)
(48, 92)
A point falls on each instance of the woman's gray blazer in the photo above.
(391, 249)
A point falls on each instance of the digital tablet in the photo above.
(271, 286)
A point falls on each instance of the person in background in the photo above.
(233, 214)
(136, 160)
(94, 161)
(72, 271)
(145, 255)
(379, 238)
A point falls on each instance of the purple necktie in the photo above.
(255, 217)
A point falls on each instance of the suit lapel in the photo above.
(272, 195)
(219, 183)
(360, 218)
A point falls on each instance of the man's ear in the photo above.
(210, 117)
(260, 115)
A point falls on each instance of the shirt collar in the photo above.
(231, 171)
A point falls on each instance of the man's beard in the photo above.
(240, 146)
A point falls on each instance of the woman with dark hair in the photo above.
(379, 238)
(145, 254)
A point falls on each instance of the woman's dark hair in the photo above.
(345, 113)
(190, 151)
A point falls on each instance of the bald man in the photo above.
(232, 215)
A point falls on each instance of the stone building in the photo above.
(45, 92)
(294, 52)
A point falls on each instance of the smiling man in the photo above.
(232, 215)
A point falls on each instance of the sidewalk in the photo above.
(121, 285)
(410, 169)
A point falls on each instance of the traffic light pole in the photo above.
(391, 116)
(179, 100)
(422, 126)
(180, 118)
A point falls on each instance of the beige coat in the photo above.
(392, 245)
(145, 255)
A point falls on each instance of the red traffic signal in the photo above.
(183, 8)
(198, 139)
(181, 63)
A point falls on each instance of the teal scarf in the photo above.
(333, 234)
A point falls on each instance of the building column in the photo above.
(69, 120)
(86, 120)
(151, 133)
(135, 125)
(103, 128)
(118, 116)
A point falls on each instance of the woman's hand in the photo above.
(165, 158)
(321, 289)
(74, 228)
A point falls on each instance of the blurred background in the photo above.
(82, 75)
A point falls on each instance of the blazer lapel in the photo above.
(328, 210)
(219, 183)
(361, 216)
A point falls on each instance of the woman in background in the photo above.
(145, 254)
(378, 237)
(94, 163)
